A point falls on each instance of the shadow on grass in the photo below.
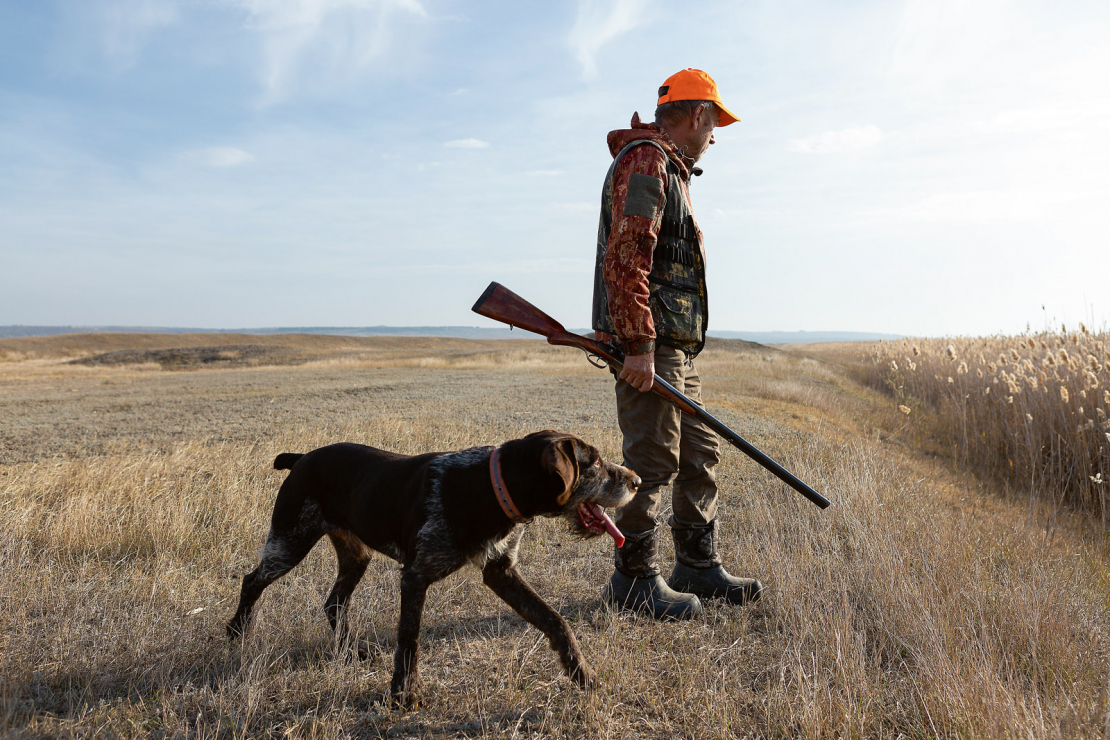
(65, 699)
(415, 725)
(507, 622)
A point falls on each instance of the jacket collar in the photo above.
(620, 138)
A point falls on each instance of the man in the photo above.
(650, 298)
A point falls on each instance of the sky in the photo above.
(927, 167)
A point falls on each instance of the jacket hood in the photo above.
(620, 138)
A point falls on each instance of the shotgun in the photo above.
(501, 304)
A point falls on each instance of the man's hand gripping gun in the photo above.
(501, 304)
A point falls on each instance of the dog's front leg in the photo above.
(406, 680)
(506, 581)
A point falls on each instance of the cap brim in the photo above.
(727, 117)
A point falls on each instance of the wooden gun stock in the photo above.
(501, 304)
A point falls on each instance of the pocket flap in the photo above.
(673, 301)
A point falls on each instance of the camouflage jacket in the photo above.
(649, 282)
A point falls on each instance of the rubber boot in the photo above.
(698, 569)
(637, 586)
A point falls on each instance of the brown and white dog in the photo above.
(434, 513)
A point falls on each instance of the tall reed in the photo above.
(1031, 409)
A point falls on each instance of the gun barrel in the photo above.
(501, 304)
(688, 406)
(744, 445)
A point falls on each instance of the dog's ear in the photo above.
(559, 459)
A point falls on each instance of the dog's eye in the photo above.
(597, 463)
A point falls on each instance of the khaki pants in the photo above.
(664, 446)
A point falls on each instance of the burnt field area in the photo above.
(136, 485)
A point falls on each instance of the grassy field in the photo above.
(135, 491)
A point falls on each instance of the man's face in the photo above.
(701, 135)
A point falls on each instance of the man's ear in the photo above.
(703, 113)
(559, 459)
(698, 117)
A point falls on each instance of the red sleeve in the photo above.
(639, 187)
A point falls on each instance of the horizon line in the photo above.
(15, 331)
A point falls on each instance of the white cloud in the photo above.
(545, 173)
(598, 23)
(990, 207)
(1056, 119)
(942, 46)
(340, 38)
(848, 140)
(127, 25)
(219, 156)
(467, 144)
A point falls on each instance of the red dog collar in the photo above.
(499, 489)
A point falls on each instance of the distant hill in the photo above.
(454, 332)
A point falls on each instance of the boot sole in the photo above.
(686, 609)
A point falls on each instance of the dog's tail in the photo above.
(286, 460)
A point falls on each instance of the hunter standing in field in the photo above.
(650, 296)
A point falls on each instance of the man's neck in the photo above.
(679, 147)
(669, 131)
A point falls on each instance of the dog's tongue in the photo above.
(604, 523)
(612, 529)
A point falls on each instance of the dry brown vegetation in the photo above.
(201, 351)
(132, 500)
(1029, 410)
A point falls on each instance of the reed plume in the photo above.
(1030, 435)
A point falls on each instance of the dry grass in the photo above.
(913, 607)
(1029, 410)
(307, 346)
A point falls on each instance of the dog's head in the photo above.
(574, 481)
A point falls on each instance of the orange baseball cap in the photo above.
(693, 84)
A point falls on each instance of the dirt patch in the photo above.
(67, 346)
(196, 358)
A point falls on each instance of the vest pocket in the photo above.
(676, 312)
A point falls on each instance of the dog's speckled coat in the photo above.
(433, 513)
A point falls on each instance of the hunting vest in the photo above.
(678, 299)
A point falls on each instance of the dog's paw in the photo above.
(405, 695)
(359, 650)
(405, 701)
(584, 676)
(235, 629)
